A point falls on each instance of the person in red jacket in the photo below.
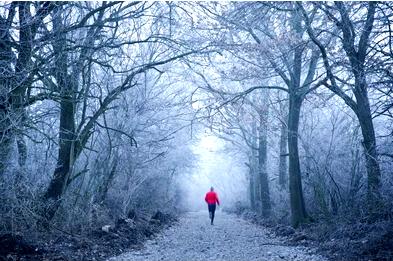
(211, 199)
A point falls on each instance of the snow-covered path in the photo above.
(230, 238)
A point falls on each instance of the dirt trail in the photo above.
(230, 238)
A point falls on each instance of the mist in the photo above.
(214, 166)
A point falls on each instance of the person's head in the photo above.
(211, 189)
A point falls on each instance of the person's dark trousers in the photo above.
(212, 209)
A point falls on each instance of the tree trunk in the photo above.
(355, 183)
(298, 210)
(14, 82)
(6, 137)
(67, 116)
(254, 166)
(283, 162)
(251, 184)
(107, 180)
(22, 151)
(357, 57)
(363, 113)
(6, 142)
(262, 160)
(66, 148)
(296, 94)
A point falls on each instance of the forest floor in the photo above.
(125, 234)
(230, 238)
(240, 236)
(336, 239)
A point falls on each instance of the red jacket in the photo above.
(212, 198)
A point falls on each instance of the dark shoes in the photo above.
(210, 217)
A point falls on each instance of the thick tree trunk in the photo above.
(13, 82)
(67, 116)
(296, 94)
(363, 113)
(65, 157)
(66, 148)
(298, 209)
(357, 57)
(6, 136)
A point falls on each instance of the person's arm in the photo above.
(206, 198)
(218, 202)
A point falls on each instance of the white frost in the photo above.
(231, 238)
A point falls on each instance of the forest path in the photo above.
(230, 238)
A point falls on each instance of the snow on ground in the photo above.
(230, 238)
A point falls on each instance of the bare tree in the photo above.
(296, 67)
(356, 53)
(17, 72)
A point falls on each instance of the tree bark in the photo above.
(5, 76)
(364, 116)
(362, 109)
(296, 95)
(13, 82)
(22, 151)
(254, 165)
(16, 75)
(252, 187)
(298, 210)
(107, 180)
(65, 151)
(262, 157)
(283, 162)
(252, 183)
(67, 116)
